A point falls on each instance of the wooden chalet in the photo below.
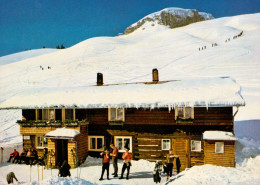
(149, 118)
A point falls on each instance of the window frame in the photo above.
(123, 148)
(96, 137)
(41, 147)
(27, 137)
(184, 113)
(73, 112)
(162, 144)
(222, 147)
(191, 146)
(109, 114)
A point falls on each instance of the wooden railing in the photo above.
(51, 123)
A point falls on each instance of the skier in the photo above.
(105, 163)
(127, 163)
(114, 155)
(178, 163)
(157, 172)
(169, 159)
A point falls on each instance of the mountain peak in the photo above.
(171, 17)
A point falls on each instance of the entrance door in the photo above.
(62, 150)
(181, 148)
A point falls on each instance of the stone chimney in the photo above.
(155, 75)
(99, 79)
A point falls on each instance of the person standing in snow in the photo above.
(105, 163)
(10, 178)
(157, 172)
(127, 163)
(178, 163)
(169, 159)
(114, 155)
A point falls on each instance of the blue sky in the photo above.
(32, 24)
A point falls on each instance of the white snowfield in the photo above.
(24, 55)
(189, 92)
(131, 58)
(219, 135)
(141, 173)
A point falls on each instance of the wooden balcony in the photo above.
(51, 123)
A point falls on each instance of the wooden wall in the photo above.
(82, 144)
(35, 130)
(162, 116)
(213, 116)
(226, 159)
(71, 154)
(40, 131)
(51, 149)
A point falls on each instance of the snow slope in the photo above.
(131, 58)
(24, 55)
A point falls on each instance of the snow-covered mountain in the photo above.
(171, 18)
(177, 53)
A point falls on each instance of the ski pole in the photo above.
(38, 172)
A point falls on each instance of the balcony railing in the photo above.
(51, 123)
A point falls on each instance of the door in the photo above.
(62, 151)
(181, 148)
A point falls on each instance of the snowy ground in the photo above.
(141, 173)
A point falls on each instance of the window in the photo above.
(195, 146)
(166, 144)
(116, 114)
(69, 114)
(219, 147)
(42, 142)
(26, 137)
(184, 112)
(123, 142)
(51, 114)
(96, 143)
(47, 114)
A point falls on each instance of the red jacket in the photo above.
(106, 158)
(127, 157)
(115, 152)
(15, 154)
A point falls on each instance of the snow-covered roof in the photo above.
(62, 133)
(219, 135)
(190, 92)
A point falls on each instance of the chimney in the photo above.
(155, 75)
(99, 79)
